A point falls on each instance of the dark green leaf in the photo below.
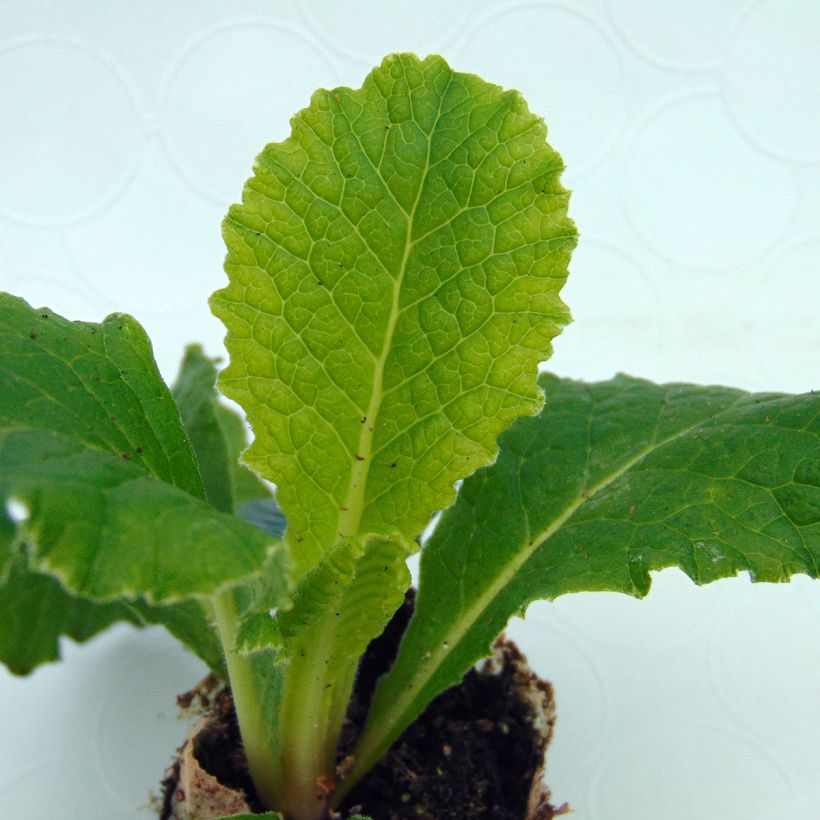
(94, 456)
(607, 483)
(107, 529)
(190, 623)
(35, 611)
(195, 396)
(95, 383)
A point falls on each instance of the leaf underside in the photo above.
(35, 611)
(609, 482)
(394, 272)
(93, 454)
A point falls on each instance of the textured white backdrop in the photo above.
(691, 133)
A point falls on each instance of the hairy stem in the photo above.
(251, 713)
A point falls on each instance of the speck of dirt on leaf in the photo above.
(33, 334)
(127, 456)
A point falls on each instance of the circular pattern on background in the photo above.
(783, 691)
(137, 714)
(618, 310)
(580, 693)
(696, 770)
(71, 783)
(176, 262)
(675, 35)
(578, 86)
(366, 31)
(786, 302)
(74, 301)
(231, 92)
(696, 192)
(773, 92)
(64, 107)
(675, 612)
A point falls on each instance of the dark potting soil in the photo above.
(473, 753)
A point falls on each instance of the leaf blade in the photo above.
(106, 529)
(333, 260)
(93, 451)
(217, 434)
(96, 383)
(35, 611)
(609, 482)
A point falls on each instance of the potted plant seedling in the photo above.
(394, 272)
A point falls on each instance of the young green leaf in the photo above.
(338, 608)
(610, 481)
(394, 273)
(218, 437)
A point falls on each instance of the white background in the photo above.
(691, 133)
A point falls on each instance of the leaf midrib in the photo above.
(353, 506)
(465, 622)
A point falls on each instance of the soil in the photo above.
(474, 753)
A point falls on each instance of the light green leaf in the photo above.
(609, 482)
(394, 273)
(91, 444)
(362, 582)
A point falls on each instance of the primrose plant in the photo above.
(394, 274)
